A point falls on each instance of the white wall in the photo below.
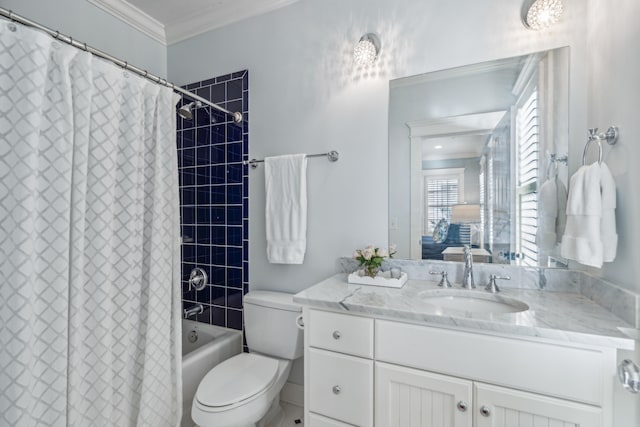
(306, 96)
(88, 24)
(614, 90)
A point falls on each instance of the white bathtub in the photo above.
(213, 345)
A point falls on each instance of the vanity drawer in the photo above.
(343, 333)
(568, 372)
(341, 387)
(316, 420)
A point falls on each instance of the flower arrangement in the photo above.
(370, 258)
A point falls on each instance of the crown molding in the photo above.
(128, 13)
(207, 20)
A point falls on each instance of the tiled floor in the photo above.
(291, 414)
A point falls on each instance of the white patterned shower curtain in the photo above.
(89, 240)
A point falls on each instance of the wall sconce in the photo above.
(541, 14)
(366, 50)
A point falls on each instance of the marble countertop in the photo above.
(562, 316)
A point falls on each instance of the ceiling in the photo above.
(172, 21)
(453, 147)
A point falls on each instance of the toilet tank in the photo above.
(270, 324)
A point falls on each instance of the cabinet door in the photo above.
(503, 407)
(408, 397)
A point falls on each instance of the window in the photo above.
(442, 188)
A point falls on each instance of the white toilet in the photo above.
(245, 389)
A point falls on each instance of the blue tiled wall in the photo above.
(214, 199)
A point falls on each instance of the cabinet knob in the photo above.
(462, 406)
(336, 389)
(485, 412)
(336, 335)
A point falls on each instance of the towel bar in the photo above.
(332, 156)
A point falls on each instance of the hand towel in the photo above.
(286, 208)
(547, 215)
(581, 241)
(608, 232)
(561, 220)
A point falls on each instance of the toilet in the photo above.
(244, 391)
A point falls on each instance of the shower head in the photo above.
(186, 111)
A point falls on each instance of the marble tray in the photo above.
(382, 279)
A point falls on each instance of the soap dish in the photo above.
(382, 279)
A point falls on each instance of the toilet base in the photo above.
(274, 416)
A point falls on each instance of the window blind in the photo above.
(527, 161)
(440, 194)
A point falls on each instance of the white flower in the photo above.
(392, 248)
(356, 254)
(370, 247)
(367, 253)
(381, 252)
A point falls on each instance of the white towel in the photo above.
(609, 235)
(561, 220)
(286, 208)
(547, 215)
(582, 237)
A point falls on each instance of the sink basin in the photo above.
(472, 301)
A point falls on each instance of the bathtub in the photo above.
(211, 345)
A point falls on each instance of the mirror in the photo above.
(483, 147)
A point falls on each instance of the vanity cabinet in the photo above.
(411, 397)
(339, 369)
(499, 407)
(361, 371)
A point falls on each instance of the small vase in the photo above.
(370, 270)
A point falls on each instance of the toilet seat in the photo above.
(236, 380)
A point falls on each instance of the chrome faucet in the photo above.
(493, 286)
(467, 278)
(190, 312)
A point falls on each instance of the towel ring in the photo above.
(611, 136)
(593, 137)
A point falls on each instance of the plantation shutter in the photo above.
(527, 122)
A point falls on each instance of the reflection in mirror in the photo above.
(484, 148)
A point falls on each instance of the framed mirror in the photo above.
(483, 148)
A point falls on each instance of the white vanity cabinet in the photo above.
(395, 374)
(499, 407)
(411, 397)
(338, 369)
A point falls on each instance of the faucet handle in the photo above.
(492, 286)
(444, 282)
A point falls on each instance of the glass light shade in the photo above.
(543, 13)
(366, 50)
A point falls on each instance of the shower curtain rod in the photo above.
(237, 116)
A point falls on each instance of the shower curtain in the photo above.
(89, 240)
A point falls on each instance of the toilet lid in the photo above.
(236, 379)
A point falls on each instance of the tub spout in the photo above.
(190, 312)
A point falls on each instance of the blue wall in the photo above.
(214, 199)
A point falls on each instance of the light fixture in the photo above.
(367, 49)
(438, 147)
(541, 13)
